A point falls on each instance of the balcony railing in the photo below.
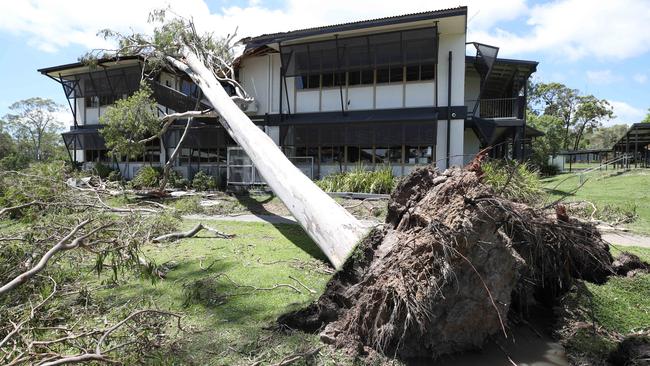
(497, 108)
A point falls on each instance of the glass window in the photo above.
(331, 154)
(354, 78)
(328, 80)
(413, 73)
(339, 79)
(383, 75)
(367, 76)
(185, 156)
(396, 74)
(314, 81)
(419, 154)
(427, 72)
(366, 154)
(92, 102)
(381, 155)
(395, 154)
(353, 154)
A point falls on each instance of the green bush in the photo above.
(360, 181)
(103, 170)
(114, 176)
(188, 205)
(147, 177)
(516, 181)
(175, 180)
(203, 182)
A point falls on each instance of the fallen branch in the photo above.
(62, 245)
(296, 357)
(255, 288)
(191, 233)
(18, 207)
(98, 355)
(303, 285)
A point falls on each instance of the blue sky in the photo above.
(599, 47)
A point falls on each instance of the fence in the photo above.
(240, 170)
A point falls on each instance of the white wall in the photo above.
(472, 89)
(454, 42)
(472, 145)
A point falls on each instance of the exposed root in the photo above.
(453, 259)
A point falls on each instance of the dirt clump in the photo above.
(452, 260)
(634, 350)
(628, 264)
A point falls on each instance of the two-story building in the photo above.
(397, 91)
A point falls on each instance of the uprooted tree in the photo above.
(176, 44)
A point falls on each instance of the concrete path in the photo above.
(626, 239)
(613, 237)
(271, 219)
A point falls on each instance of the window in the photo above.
(366, 155)
(427, 72)
(331, 154)
(383, 75)
(419, 154)
(92, 102)
(353, 154)
(387, 155)
(396, 74)
(420, 72)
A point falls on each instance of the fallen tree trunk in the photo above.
(331, 227)
(192, 232)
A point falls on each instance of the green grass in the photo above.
(619, 306)
(229, 324)
(624, 190)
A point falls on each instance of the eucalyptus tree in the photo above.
(589, 115)
(207, 60)
(33, 122)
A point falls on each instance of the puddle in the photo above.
(524, 346)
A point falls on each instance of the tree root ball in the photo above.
(452, 260)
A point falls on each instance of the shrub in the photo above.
(360, 181)
(188, 205)
(203, 182)
(103, 170)
(175, 180)
(114, 176)
(516, 181)
(146, 177)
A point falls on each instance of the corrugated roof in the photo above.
(396, 19)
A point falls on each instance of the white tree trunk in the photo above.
(333, 228)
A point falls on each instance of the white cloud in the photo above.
(625, 113)
(50, 25)
(575, 29)
(602, 77)
(640, 78)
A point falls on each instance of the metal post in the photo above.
(448, 110)
(636, 147)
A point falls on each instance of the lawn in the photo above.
(230, 323)
(597, 314)
(625, 191)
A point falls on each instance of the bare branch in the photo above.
(188, 234)
(60, 246)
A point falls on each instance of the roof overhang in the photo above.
(361, 27)
(79, 67)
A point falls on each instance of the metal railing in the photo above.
(496, 108)
(623, 161)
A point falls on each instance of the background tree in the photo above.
(549, 144)
(605, 137)
(558, 100)
(34, 124)
(589, 115)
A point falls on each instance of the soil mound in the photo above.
(628, 264)
(447, 267)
